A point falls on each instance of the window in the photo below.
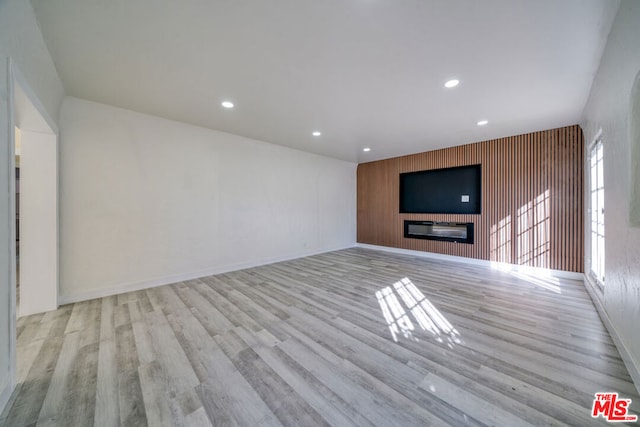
(634, 121)
(596, 168)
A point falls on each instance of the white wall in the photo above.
(20, 40)
(38, 223)
(609, 108)
(147, 201)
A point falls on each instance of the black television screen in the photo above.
(442, 191)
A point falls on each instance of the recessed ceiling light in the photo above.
(366, 149)
(227, 104)
(316, 133)
(451, 83)
(482, 122)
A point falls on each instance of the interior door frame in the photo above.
(17, 81)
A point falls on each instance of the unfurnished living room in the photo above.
(305, 213)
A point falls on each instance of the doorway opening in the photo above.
(33, 230)
(36, 202)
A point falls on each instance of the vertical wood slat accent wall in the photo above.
(532, 200)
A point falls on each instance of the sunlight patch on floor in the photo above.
(545, 282)
(426, 315)
(394, 314)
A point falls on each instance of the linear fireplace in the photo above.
(459, 232)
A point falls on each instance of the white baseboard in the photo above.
(632, 366)
(495, 265)
(167, 280)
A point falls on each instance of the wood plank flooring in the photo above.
(348, 338)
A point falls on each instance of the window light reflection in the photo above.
(428, 317)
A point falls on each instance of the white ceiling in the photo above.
(366, 73)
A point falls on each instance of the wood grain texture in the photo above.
(532, 200)
(352, 337)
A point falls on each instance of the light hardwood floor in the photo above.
(353, 337)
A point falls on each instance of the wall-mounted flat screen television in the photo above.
(442, 191)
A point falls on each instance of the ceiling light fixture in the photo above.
(366, 149)
(227, 104)
(316, 133)
(451, 83)
(482, 122)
